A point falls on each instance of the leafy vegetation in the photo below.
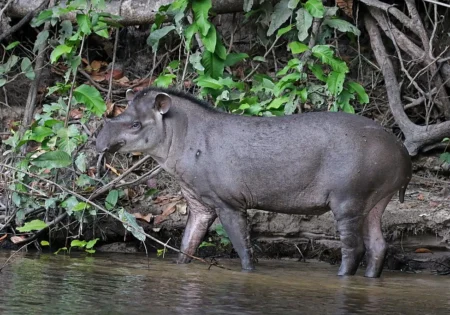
(314, 77)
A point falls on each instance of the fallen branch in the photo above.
(73, 193)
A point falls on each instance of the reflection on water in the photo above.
(132, 284)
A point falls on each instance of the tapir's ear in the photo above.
(162, 103)
(129, 95)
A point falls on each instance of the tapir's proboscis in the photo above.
(299, 164)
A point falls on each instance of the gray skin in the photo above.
(299, 164)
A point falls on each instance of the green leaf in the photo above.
(248, 4)
(80, 162)
(39, 133)
(52, 159)
(12, 45)
(59, 51)
(50, 203)
(41, 39)
(42, 18)
(60, 249)
(66, 30)
(234, 58)
(111, 199)
(297, 47)
(201, 9)
(363, 98)
(259, 58)
(83, 180)
(303, 93)
(293, 4)
(155, 36)
(90, 97)
(34, 225)
(195, 60)
(78, 243)
(342, 26)
(317, 70)
(66, 141)
(189, 33)
(164, 80)
(129, 222)
(220, 51)
(45, 243)
(284, 30)
(208, 82)
(84, 23)
(280, 15)
(315, 8)
(326, 55)
(12, 60)
(445, 157)
(81, 206)
(210, 39)
(2, 82)
(26, 68)
(91, 243)
(335, 82)
(160, 252)
(304, 22)
(276, 103)
(206, 244)
(213, 65)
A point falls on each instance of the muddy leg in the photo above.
(374, 241)
(351, 234)
(199, 220)
(235, 224)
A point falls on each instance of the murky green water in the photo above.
(131, 284)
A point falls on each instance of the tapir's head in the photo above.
(139, 128)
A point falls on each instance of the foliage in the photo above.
(52, 142)
(309, 82)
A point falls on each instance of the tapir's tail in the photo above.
(401, 192)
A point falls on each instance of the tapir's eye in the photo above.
(136, 125)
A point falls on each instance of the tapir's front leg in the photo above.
(199, 220)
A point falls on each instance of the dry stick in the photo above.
(24, 20)
(73, 193)
(438, 3)
(108, 96)
(111, 184)
(98, 86)
(4, 8)
(13, 254)
(32, 93)
(148, 175)
(69, 102)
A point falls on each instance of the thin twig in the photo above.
(13, 254)
(111, 184)
(73, 193)
(116, 41)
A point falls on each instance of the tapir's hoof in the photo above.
(372, 274)
(183, 259)
(248, 270)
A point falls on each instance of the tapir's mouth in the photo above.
(115, 147)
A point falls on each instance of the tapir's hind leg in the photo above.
(351, 235)
(199, 220)
(373, 239)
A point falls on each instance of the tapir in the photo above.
(306, 163)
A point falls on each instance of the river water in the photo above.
(132, 284)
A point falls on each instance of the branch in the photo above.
(134, 12)
(27, 18)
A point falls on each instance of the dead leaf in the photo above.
(113, 169)
(171, 207)
(423, 251)
(17, 239)
(96, 65)
(346, 6)
(109, 108)
(123, 81)
(421, 197)
(98, 77)
(182, 208)
(116, 74)
(140, 216)
(3, 237)
(76, 113)
(118, 110)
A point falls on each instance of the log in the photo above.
(134, 12)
